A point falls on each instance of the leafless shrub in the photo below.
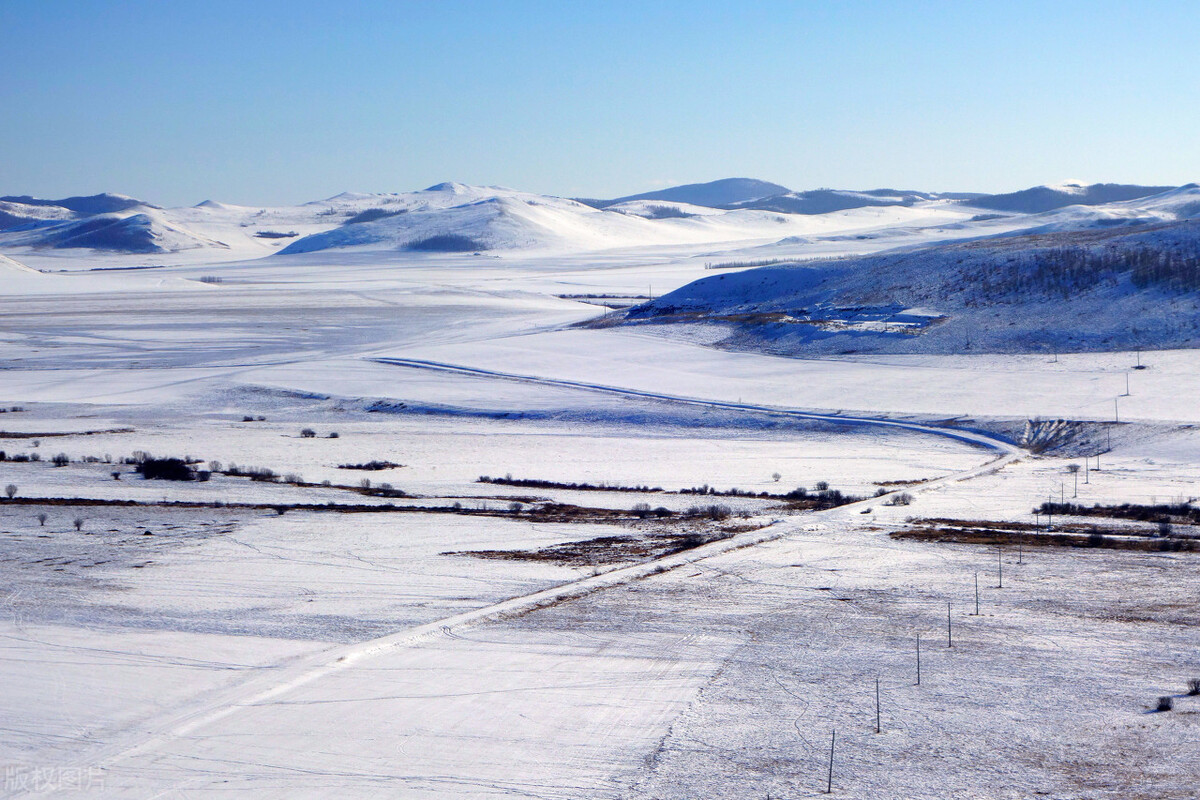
(715, 512)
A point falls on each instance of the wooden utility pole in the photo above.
(829, 782)
(918, 659)
(977, 594)
(949, 627)
(1000, 565)
(877, 728)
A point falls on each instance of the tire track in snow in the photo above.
(305, 670)
(958, 434)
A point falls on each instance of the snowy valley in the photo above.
(474, 492)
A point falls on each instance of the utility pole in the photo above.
(977, 594)
(877, 729)
(832, 742)
(918, 659)
(999, 568)
(1126, 385)
(949, 627)
(1116, 412)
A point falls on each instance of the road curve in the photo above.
(279, 680)
(958, 434)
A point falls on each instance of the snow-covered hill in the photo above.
(148, 231)
(1068, 193)
(714, 194)
(1093, 289)
(731, 215)
(456, 218)
(824, 201)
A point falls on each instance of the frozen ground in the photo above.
(204, 650)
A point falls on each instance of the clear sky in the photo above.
(177, 101)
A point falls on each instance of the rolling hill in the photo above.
(1097, 288)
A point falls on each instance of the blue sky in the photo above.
(275, 102)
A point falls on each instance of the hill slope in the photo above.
(714, 194)
(1080, 290)
(1047, 198)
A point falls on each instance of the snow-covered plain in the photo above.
(183, 648)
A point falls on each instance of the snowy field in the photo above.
(299, 638)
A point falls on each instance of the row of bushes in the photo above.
(822, 495)
(533, 483)
(1162, 512)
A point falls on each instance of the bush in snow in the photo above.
(166, 469)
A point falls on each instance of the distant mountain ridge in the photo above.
(457, 217)
(714, 194)
(92, 204)
(1048, 198)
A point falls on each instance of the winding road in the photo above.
(277, 681)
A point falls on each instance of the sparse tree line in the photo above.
(819, 498)
(1162, 513)
(1065, 271)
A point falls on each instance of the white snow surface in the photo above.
(184, 648)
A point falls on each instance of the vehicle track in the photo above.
(278, 680)
(958, 434)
